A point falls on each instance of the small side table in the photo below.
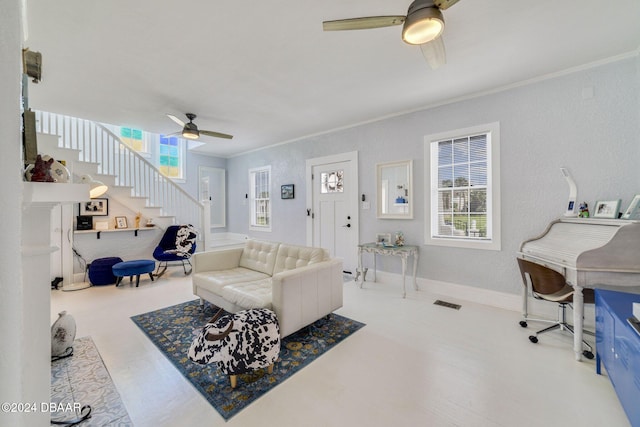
(403, 252)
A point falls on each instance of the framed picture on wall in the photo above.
(286, 191)
(607, 209)
(633, 211)
(95, 207)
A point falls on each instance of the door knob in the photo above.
(348, 225)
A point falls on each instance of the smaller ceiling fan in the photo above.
(423, 25)
(190, 130)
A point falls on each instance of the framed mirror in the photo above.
(215, 189)
(395, 189)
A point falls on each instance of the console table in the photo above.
(618, 348)
(403, 252)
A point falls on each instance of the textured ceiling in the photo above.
(267, 73)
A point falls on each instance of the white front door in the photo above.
(333, 206)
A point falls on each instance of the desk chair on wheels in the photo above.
(549, 285)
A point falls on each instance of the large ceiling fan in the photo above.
(423, 25)
(190, 130)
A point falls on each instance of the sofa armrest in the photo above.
(303, 295)
(216, 260)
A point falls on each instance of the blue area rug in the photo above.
(172, 330)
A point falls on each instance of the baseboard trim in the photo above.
(512, 302)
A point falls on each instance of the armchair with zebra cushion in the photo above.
(176, 246)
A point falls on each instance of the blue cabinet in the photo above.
(618, 348)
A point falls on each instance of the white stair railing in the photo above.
(98, 144)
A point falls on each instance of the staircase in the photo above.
(133, 181)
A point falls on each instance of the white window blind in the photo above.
(463, 207)
(260, 182)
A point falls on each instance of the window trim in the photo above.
(252, 198)
(493, 187)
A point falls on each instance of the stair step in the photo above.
(122, 194)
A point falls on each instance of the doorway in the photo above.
(332, 206)
(215, 192)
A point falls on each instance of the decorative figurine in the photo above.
(584, 210)
(399, 238)
(41, 171)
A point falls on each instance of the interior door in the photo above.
(334, 211)
(215, 191)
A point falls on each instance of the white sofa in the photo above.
(300, 284)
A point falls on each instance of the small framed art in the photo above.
(95, 207)
(383, 239)
(606, 209)
(286, 191)
(633, 211)
(121, 222)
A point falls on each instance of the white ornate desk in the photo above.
(403, 252)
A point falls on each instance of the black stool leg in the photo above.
(151, 275)
(118, 280)
(137, 280)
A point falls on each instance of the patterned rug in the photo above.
(172, 330)
(82, 379)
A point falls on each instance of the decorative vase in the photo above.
(63, 333)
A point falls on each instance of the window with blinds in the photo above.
(464, 207)
(260, 182)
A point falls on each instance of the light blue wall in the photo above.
(544, 126)
(194, 161)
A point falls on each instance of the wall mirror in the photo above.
(395, 189)
(216, 191)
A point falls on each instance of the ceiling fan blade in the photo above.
(175, 119)
(445, 4)
(364, 23)
(215, 134)
(434, 53)
(173, 134)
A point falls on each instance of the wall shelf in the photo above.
(114, 230)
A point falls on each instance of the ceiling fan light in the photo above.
(190, 133)
(423, 25)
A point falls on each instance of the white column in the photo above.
(13, 360)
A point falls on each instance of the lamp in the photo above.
(190, 133)
(423, 24)
(96, 188)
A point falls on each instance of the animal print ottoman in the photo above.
(239, 342)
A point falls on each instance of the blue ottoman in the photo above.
(133, 268)
(101, 272)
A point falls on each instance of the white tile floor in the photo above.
(414, 364)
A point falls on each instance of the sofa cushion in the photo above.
(255, 294)
(214, 281)
(291, 257)
(259, 256)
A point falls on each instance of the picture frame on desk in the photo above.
(94, 207)
(383, 239)
(633, 211)
(606, 209)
